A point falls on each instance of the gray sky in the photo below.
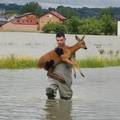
(71, 3)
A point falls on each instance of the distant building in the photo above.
(30, 22)
(118, 28)
(3, 20)
(52, 16)
(25, 22)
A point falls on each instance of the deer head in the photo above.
(81, 41)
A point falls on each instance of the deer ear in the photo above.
(82, 38)
(77, 38)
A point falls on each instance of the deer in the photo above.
(60, 54)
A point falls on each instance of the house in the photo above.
(51, 16)
(3, 20)
(30, 22)
(118, 28)
(25, 22)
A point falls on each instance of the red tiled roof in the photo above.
(58, 15)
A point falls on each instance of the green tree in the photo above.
(73, 24)
(68, 12)
(32, 7)
(106, 11)
(107, 24)
(90, 26)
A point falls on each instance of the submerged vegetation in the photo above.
(22, 62)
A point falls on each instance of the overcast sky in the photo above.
(71, 3)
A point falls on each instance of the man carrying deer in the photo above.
(60, 77)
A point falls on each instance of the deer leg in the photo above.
(55, 76)
(68, 61)
(74, 71)
(77, 66)
(81, 73)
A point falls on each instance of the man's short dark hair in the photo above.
(60, 34)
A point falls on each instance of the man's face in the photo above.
(60, 41)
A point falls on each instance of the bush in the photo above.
(108, 26)
(90, 26)
(54, 27)
(73, 24)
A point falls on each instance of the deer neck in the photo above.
(75, 47)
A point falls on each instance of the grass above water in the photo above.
(13, 62)
(95, 62)
(22, 62)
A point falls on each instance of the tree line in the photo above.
(105, 25)
(79, 20)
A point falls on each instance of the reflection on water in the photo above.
(57, 109)
(97, 97)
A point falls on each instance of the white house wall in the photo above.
(118, 29)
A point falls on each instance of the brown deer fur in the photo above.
(56, 56)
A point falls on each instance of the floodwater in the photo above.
(95, 97)
(36, 44)
(22, 92)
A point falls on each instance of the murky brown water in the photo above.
(97, 97)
